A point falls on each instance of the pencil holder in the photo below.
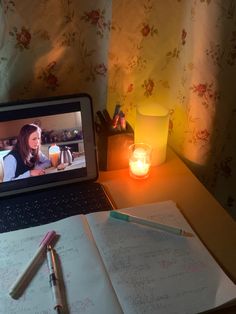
(113, 148)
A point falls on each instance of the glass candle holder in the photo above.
(139, 160)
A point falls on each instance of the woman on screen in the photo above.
(25, 159)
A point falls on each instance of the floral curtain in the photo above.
(177, 53)
(54, 47)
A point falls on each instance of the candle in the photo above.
(139, 168)
(151, 127)
(139, 160)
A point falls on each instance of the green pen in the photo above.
(150, 223)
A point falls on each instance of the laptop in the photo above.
(67, 183)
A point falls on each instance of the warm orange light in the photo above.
(151, 127)
(139, 160)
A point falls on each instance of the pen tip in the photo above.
(58, 310)
(187, 234)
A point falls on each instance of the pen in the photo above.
(102, 120)
(24, 276)
(53, 279)
(122, 120)
(115, 121)
(117, 110)
(107, 117)
(150, 223)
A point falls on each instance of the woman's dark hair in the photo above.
(28, 156)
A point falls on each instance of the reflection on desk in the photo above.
(78, 162)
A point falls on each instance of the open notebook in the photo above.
(68, 160)
(112, 266)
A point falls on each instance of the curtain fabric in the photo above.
(177, 53)
(54, 48)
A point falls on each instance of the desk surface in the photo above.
(174, 181)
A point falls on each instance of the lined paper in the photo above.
(154, 271)
(85, 281)
(112, 266)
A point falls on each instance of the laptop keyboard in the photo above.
(43, 207)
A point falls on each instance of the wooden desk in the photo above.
(174, 181)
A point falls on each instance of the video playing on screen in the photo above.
(41, 146)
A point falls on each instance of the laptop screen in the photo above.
(46, 143)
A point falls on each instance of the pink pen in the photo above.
(115, 121)
(122, 121)
(16, 288)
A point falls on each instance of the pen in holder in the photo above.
(113, 143)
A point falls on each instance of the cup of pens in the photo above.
(114, 136)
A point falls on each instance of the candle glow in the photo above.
(139, 161)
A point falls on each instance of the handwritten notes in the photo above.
(112, 266)
(84, 278)
(156, 272)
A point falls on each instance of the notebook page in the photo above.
(154, 271)
(85, 281)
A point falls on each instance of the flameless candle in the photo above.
(151, 127)
(139, 160)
